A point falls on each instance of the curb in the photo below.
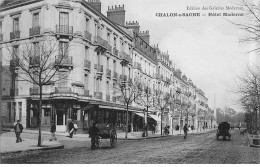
(143, 138)
(34, 149)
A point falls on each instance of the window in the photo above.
(16, 24)
(86, 53)
(87, 23)
(107, 87)
(115, 42)
(64, 19)
(108, 38)
(35, 20)
(9, 111)
(1, 31)
(63, 46)
(63, 78)
(36, 49)
(86, 82)
(20, 110)
(114, 65)
(14, 110)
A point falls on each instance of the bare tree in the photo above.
(164, 100)
(145, 99)
(249, 91)
(129, 90)
(38, 63)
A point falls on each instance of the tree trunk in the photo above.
(126, 131)
(39, 116)
(161, 123)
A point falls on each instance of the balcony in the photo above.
(115, 76)
(108, 73)
(64, 62)
(87, 36)
(34, 62)
(87, 65)
(35, 31)
(138, 66)
(86, 93)
(14, 35)
(107, 97)
(14, 63)
(102, 44)
(1, 38)
(114, 99)
(64, 30)
(14, 92)
(62, 90)
(99, 69)
(98, 95)
(125, 58)
(115, 52)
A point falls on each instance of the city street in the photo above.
(196, 149)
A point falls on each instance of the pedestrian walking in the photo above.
(75, 128)
(53, 130)
(93, 133)
(18, 129)
(185, 129)
(153, 129)
(71, 128)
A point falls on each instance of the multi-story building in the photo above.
(202, 109)
(99, 53)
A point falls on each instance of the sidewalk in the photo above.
(8, 144)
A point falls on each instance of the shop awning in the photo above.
(155, 117)
(140, 114)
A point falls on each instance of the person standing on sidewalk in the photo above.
(185, 129)
(93, 133)
(18, 129)
(71, 128)
(53, 130)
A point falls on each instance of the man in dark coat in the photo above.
(53, 130)
(18, 129)
(185, 129)
(71, 128)
(93, 132)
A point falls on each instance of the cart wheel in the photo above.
(113, 138)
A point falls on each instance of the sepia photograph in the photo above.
(148, 82)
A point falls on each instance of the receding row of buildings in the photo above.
(103, 50)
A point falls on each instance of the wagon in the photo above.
(104, 135)
(223, 130)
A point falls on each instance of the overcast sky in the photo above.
(206, 49)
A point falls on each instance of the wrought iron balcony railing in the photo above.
(64, 29)
(15, 35)
(99, 68)
(65, 61)
(35, 31)
(107, 97)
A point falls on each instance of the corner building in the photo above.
(99, 53)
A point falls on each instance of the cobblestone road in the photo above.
(196, 149)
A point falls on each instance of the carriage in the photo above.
(223, 130)
(106, 134)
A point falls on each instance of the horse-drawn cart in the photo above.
(107, 134)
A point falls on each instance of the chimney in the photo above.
(145, 36)
(133, 25)
(116, 14)
(96, 4)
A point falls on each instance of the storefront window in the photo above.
(47, 112)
